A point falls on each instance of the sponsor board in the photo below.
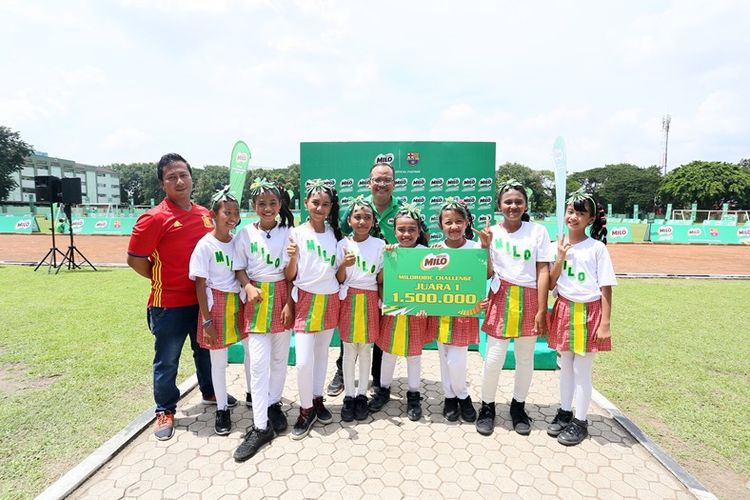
(485, 183)
(412, 158)
(400, 184)
(346, 184)
(23, 224)
(436, 200)
(419, 200)
(434, 261)
(418, 183)
(101, 224)
(469, 183)
(485, 201)
(436, 183)
(384, 158)
(453, 183)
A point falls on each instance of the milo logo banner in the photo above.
(439, 281)
(426, 173)
(699, 233)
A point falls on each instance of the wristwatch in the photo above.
(208, 323)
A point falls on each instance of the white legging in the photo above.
(575, 378)
(268, 353)
(453, 361)
(352, 352)
(413, 370)
(219, 373)
(495, 359)
(312, 362)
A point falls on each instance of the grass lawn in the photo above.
(680, 368)
(75, 367)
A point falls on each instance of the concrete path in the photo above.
(388, 456)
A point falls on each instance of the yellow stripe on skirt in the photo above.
(444, 330)
(400, 342)
(513, 312)
(359, 319)
(316, 317)
(578, 328)
(231, 327)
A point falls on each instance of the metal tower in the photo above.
(665, 120)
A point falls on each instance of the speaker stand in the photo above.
(50, 258)
(70, 256)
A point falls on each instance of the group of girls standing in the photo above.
(273, 278)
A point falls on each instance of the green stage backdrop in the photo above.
(426, 173)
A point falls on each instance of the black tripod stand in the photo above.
(52, 254)
(70, 255)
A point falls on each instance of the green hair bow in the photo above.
(580, 195)
(453, 203)
(222, 194)
(411, 210)
(511, 184)
(259, 185)
(313, 185)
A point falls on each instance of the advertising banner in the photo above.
(439, 281)
(238, 165)
(426, 173)
(17, 224)
(699, 233)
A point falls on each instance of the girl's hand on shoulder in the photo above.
(563, 245)
(485, 235)
(603, 332)
(540, 323)
(349, 260)
(287, 315)
(292, 250)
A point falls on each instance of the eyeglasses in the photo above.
(382, 181)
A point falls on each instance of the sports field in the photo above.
(75, 362)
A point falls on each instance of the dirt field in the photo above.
(627, 258)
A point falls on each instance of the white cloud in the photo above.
(125, 137)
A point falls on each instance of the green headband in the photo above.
(580, 195)
(259, 185)
(511, 184)
(223, 194)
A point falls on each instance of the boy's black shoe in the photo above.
(382, 396)
(560, 422)
(336, 386)
(486, 419)
(347, 411)
(413, 405)
(248, 400)
(360, 407)
(521, 420)
(468, 413)
(305, 421)
(254, 439)
(277, 418)
(223, 425)
(450, 409)
(574, 433)
(324, 416)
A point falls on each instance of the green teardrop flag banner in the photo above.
(561, 167)
(238, 166)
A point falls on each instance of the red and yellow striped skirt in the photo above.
(359, 317)
(511, 312)
(573, 327)
(403, 335)
(227, 314)
(315, 312)
(454, 330)
(265, 317)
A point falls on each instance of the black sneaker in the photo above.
(347, 411)
(413, 405)
(248, 400)
(468, 413)
(450, 409)
(305, 421)
(223, 425)
(560, 422)
(211, 400)
(486, 419)
(336, 386)
(360, 407)
(253, 441)
(575, 432)
(277, 418)
(324, 416)
(382, 396)
(519, 417)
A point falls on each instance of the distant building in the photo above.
(99, 185)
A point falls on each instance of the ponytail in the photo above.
(286, 215)
(599, 226)
(333, 215)
(525, 217)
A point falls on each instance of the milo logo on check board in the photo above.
(435, 261)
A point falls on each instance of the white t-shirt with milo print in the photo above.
(514, 255)
(586, 269)
(261, 257)
(369, 262)
(316, 263)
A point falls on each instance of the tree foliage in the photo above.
(541, 183)
(13, 153)
(708, 183)
(623, 185)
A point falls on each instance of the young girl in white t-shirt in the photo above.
(520, 253)
(269, 312)
(311, 263)
(360, 258)
(454, 334)
(221, 308)
(580, 322)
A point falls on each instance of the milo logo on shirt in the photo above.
(311, 246)
(512, 250)
(221, 258)
(568, 269)
(255, 248)
(363, 265)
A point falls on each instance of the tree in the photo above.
(13, 154)
(140, 180)
(208, 180)
(622, 184)
(708, 183)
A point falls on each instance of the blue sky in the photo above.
(126, 81)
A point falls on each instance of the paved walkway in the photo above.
(388, 456)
